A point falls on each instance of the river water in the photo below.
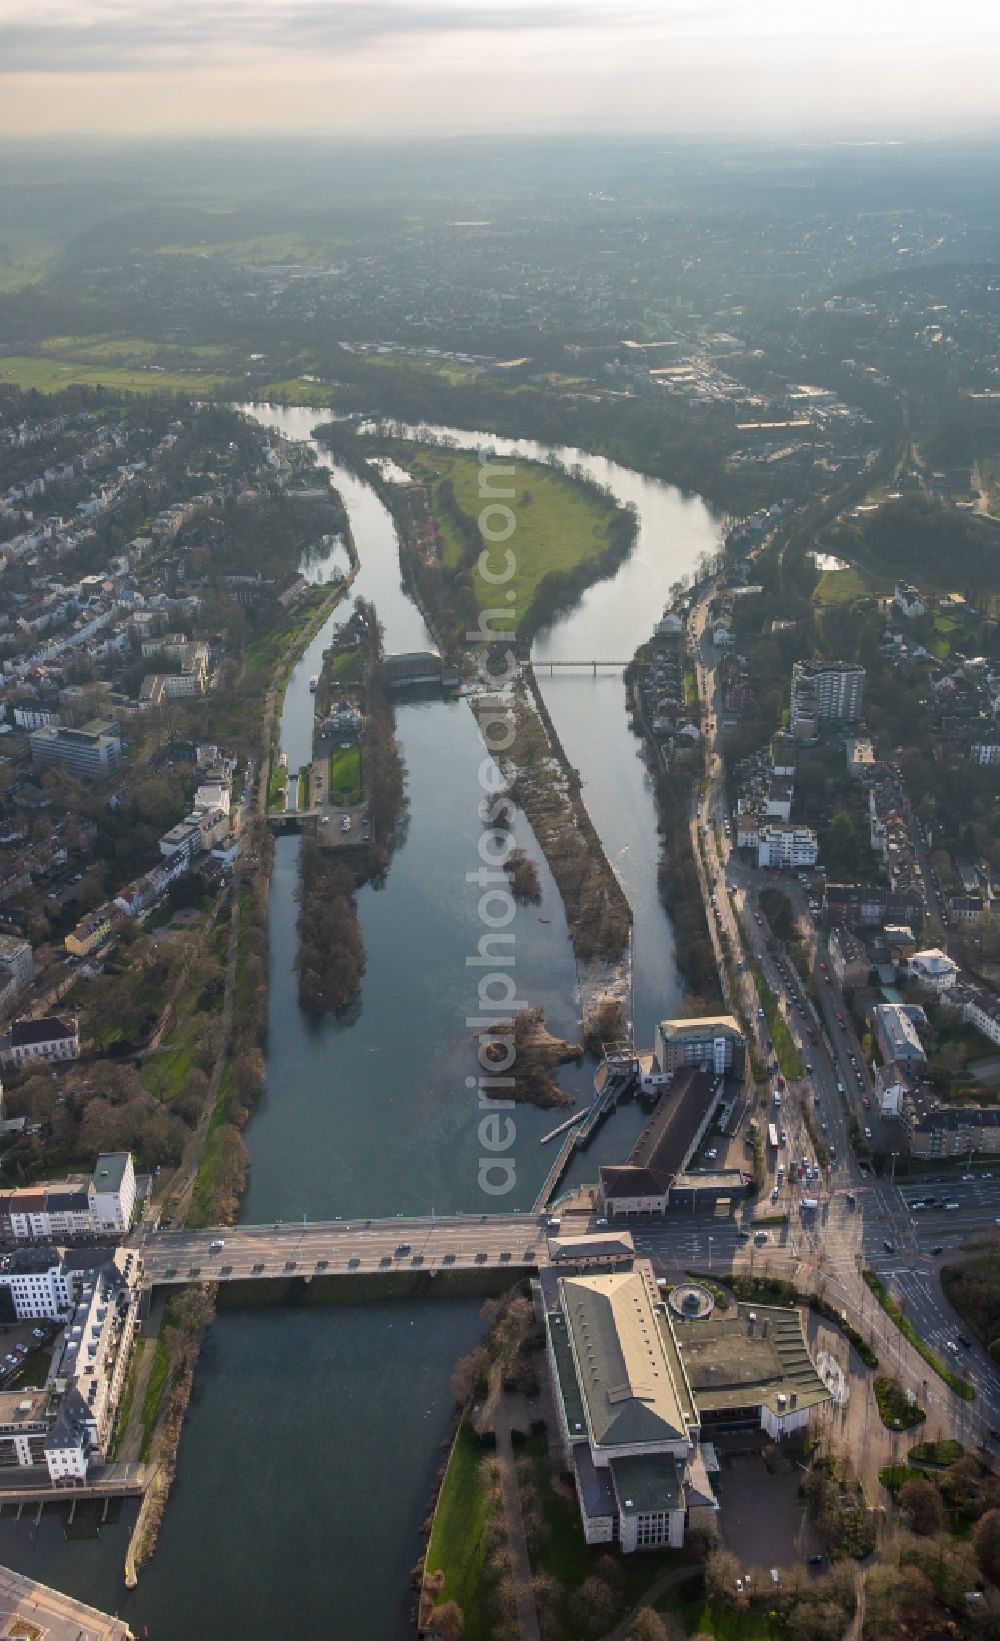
(312, 1440)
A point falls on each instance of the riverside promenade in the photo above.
(30, 1610)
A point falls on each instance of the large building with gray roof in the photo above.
(636, 1396)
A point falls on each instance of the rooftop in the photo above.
(620, 1361)
(750, 1358)
(110, 1170)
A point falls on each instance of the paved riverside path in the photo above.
(517, 1543)
(51, 1614)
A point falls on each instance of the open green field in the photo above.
(25, 256)
(840, 587)
(305, 249)
(345, 774)
(457, 1545)
(347, 667)
(133, 349)
(559, 525)
(294, 390)
(50, 375)
(452, 371)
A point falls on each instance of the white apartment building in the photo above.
(53, 1037)
(38, 1284)
(113, 1200)
(830, 692)
(787, 847)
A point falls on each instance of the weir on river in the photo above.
(312, 1442)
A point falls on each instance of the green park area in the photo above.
(561, 527)
(459, 1542)
(345, 774)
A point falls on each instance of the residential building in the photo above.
(714, 1041)
(848, 959)
(935, 1129)
(873, 905)
(38, 1284)
(17, 964)
(861, 760)
(934, 969)
(82, 1206)
(53, 1037)
(786, 847)
(87, 753)
(94, 1356)
(827, 692)
(896, 1032)
(90, 932)
(966, 908)
(981, 1009)
(908, 601)
(985, 749)
(182, 841)
(113, 1200)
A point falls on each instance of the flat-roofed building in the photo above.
(751, 1369)
(711, 1040)
(113, 1183)
(17, 964)
(85, 753)
(934, 969)
(787, 847)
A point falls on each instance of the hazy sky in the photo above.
(389, 66)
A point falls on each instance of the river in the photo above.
(312, 1440)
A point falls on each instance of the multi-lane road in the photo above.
(343, 1247)
(862, 1221)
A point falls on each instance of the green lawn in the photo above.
(558, 524)
(345, 774)
(277, 787)
(156, 1385)
(48, 375)
(840, 587)
(702, 1618)
(347, 666)
(457, 1544)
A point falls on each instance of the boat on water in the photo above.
(314, 683)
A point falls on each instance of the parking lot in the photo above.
(19, 1342)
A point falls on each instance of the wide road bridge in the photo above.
(346, 1247)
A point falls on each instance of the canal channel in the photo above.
(313, 1436)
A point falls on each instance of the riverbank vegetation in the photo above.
(168, 1392)
(522, 875)
(331, 957)
(537, 1055)
(544, 785)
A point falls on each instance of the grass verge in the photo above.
(458, 1543)
(961, 1387)
(788, 1056)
